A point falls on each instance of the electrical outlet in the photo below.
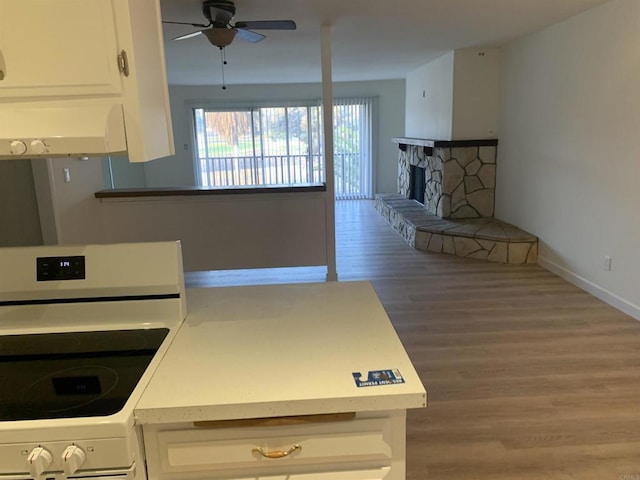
(607, 262)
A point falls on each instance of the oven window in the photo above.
(78, 374)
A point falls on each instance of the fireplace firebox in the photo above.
(418, 177)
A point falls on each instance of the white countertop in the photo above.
(279, 350)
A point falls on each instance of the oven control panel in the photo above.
(40, 460)
(59, 460)
(60, 268)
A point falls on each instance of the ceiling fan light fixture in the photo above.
(220, 37)
(221, 33)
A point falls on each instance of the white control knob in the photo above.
(72, 459)
(18, 147)
(39, 459)
(37, 147)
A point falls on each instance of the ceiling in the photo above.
(371, 39)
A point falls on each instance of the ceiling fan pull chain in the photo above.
(223, 59)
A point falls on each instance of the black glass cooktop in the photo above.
(76, 374)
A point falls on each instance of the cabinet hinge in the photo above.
(123, 63)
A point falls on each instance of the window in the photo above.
(282, 145)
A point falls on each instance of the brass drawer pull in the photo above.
(277, 453)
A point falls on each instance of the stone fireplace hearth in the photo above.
(457, 215)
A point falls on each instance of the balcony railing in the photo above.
(282, 170)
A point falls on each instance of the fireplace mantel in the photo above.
(429, 145)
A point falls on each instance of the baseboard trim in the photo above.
(590, 287)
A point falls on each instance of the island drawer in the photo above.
(364, 445)
(374, 474)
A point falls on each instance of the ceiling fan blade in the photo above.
(267, 25)
(249, 36)
(188, 35)
(186, 23)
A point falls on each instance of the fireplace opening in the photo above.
(417, 183)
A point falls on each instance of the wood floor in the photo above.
(528, 377)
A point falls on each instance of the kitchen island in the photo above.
(309, 381)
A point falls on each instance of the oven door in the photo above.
(128, 474)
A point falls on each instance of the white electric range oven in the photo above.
(82, 328)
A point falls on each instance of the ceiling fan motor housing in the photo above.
(219, 12)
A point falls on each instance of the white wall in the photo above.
(70, 213)
(227, 231)
(19, 223)
(124, 173)
(569, 152)
(178, 170)
(476, 93)
(429, 100)
(455, 97)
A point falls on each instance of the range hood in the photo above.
(61, 131)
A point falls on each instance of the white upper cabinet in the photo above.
(83, 78)
(58, 48)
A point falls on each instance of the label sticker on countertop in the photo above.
(378, 377)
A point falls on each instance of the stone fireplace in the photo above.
(445, 202)
(460, 176)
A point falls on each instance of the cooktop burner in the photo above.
(75, 374)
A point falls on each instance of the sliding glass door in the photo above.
(282, 145)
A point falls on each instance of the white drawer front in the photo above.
(197, 450)
(375, 474)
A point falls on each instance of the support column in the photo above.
(327, 111)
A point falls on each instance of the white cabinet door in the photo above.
(58, 48)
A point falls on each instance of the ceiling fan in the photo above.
(221, 32)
